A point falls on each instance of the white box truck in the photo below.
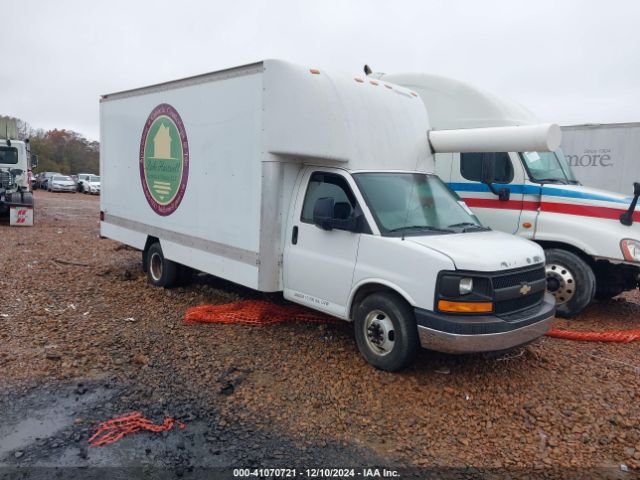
(591, 237)
(604, 155)
(285, 178)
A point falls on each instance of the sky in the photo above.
(568, 61)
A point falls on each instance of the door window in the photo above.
(328, 185)
(471, 166)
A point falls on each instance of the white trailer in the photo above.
(286, 178)
(591, 237)
(605, 156)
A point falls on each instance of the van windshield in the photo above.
(414, 204)
(548, 167)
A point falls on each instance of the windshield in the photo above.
(94, 179)
(548, 167)
(8, 155)
(61, 178)
(414, 204)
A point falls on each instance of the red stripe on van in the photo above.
(566, 208)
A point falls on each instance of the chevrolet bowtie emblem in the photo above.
(524, 289)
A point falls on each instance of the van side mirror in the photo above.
(34, 161)
(324, 217)
(488, 177)
(323, 213)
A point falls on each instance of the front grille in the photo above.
(517, 304)
(513, 279)
(5, 179)
(506, 287)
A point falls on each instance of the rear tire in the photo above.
(386, 331)
(571, 280)
(160, 271)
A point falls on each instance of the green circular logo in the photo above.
(164, 159)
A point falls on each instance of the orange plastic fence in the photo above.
(116, 428)
(253, 312)
(620, 336)
(262, 312)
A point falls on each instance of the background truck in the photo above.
(603, 156)
(591, 237)
(16, 161)
(290, 179)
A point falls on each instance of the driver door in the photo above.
(319, 263)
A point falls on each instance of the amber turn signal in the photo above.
(465, 307)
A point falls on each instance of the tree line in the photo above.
(63, 151)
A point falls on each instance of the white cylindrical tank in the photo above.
(525, 138)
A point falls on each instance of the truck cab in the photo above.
(591, 237)
(16, 199)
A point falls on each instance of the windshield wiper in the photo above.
(468, 226)
(420, 227)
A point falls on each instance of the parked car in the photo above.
(88, 183)
(44, 177)
(92, 185)
(61, 183)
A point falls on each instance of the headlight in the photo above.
(466, 286)
(630, 250)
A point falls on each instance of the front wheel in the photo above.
(160, 271)
(386, 332)
(570, 280)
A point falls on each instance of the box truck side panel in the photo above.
(604, 156)
(219, 217)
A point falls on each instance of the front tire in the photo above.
(160, 271)
(570, 280)
(386, 331)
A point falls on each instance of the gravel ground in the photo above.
(84, 338)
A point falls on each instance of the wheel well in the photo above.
(368, 289)
(570, 248)
(150, 241)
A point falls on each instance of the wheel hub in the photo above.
(379, 332)
(155, 266)
(560, 282)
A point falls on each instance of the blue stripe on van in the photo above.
(535, 190)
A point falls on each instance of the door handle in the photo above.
(294, 235)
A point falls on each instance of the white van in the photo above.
(286, 178)
(591, 237)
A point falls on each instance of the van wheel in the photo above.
(160, 271)
(570, 280)
(386, 332)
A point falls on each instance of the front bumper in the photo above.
(63, 188)
(474, 334)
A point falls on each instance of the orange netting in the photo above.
(261, 312)
(253, 312)
(116, 428)
(620, 336)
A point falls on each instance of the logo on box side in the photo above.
(164, 159)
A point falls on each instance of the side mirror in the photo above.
(323, 213)
(488, 177)
(34, 161)
(488, 169)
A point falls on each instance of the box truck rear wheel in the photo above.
(160, 271)
(570, 280)
(386, 331)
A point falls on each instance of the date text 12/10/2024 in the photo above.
(315, 473)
